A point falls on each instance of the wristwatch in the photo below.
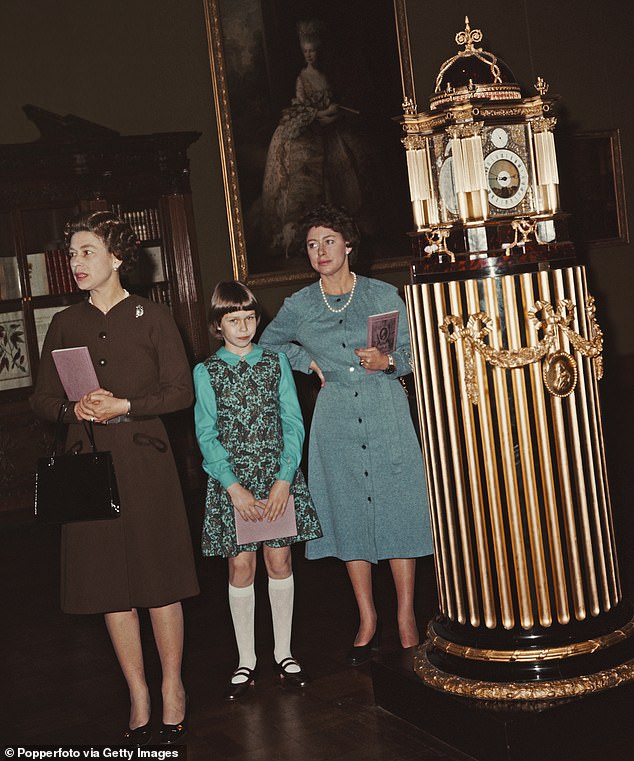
(391, 365)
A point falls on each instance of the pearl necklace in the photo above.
(347, 304)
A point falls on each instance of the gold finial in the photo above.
(469, 36)
(541, 86)
(409, 106)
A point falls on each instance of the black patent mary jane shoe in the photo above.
(139, 736)
(169, 734)
(237, 690)
(360, 654)
(297, 679)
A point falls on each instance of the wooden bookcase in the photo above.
(75, 166)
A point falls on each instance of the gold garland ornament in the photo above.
(560, 368)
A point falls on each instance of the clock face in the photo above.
(507, 178)
(499, 138)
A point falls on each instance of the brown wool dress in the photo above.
(144, 557)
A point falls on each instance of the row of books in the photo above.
(50, 273)
(144, 222)
(160, 293)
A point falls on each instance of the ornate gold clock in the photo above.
(482, 155)
(507, 355)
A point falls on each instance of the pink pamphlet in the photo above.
(76, 371)
(382, 332)
(259, 531)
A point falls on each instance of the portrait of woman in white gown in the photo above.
(308, 113)
(316, 154)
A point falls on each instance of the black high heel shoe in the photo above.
(172, 733)
(360, 654)
(139, 736)
(297, 679)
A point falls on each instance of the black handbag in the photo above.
(75, 486)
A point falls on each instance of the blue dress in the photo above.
(250, 430)
(365, 468)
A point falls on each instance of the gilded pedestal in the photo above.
(507, 360)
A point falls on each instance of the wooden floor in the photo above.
(61, 682)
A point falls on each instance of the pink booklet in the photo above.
(76, 371)
(382, 332)
(259, 531)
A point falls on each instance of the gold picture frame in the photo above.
(254, 82)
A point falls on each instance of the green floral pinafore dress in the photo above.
(250, 430)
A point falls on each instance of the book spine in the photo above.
(50, 271)
(159, 292)
(144, 224)
(154, 215)
(64, 265)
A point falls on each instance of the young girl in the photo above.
(250, 432)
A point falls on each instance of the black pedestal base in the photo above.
(494, 731)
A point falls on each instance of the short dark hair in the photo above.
(230, 296)
(117, 234)
(336, 218)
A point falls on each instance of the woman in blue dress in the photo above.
(365, 469)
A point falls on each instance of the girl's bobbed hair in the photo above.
(230, 296)
(117, 234)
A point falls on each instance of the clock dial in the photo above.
(499, 138)
(507, 178)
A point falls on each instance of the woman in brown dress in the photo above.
(144, 557)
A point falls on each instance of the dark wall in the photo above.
(141, 66)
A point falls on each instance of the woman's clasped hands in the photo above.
(100, 406)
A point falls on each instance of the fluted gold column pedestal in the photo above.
(507, 357)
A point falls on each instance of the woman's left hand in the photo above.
(372, 358)
(277, 500)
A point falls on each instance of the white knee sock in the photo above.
(242, 606)
(281, 593)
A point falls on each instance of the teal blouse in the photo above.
(216, 460)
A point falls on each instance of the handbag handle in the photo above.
(59, 430)
(90, 433)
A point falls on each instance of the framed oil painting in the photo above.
(308, 97)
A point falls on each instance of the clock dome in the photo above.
(473, 74)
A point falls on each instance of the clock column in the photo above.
(507, 356)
